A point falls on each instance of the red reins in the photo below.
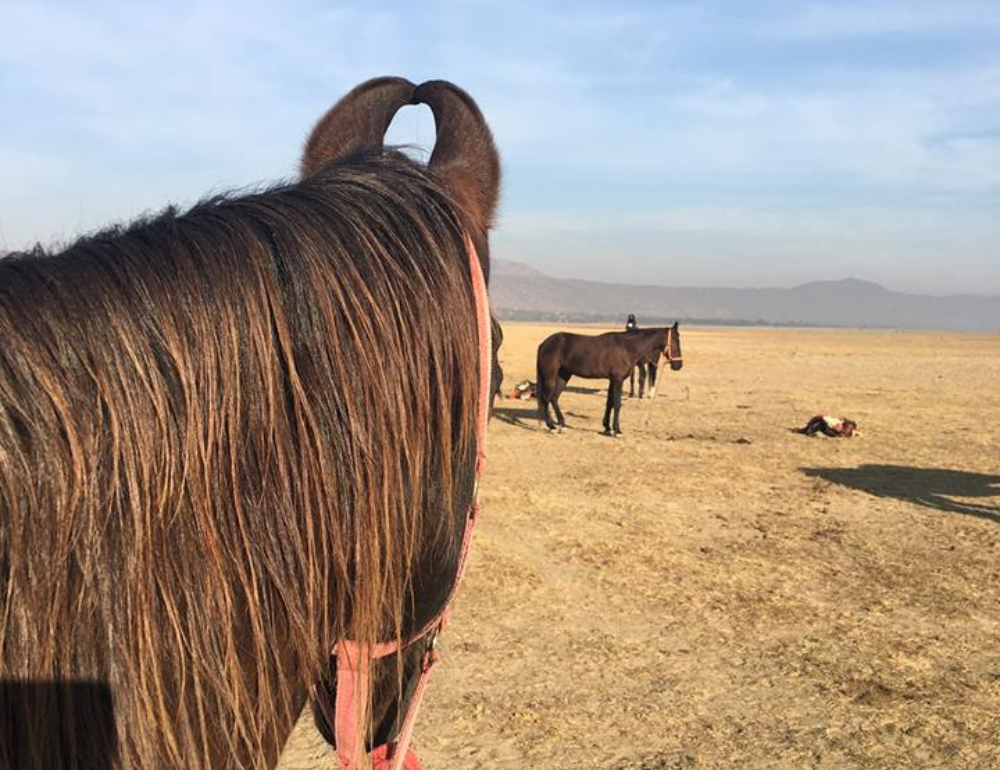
(666, 351)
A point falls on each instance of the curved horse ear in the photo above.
(464, 159)
(356, 123)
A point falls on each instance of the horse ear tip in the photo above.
(420, 92)
(385, 80)
(433, 85)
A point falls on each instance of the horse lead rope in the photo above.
(353, 670)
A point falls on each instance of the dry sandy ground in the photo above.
(714, 591)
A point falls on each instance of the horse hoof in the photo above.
(618, 434)
(607, 432)
(553, 429)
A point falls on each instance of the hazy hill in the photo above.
(519, 291)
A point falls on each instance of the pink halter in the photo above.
(353, 669)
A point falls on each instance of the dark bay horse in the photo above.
(647, 371)
(645, 368)
(496, 377)
(209, 480)
(606, 356)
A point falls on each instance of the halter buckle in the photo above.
(430, 649)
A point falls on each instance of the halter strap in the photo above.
(354, 660)
(666, 351)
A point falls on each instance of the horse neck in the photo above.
(646, 340)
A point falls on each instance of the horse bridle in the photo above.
(353, 660)
(666, 351)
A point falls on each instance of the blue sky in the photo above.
(680, 143)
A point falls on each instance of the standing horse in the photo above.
(496, 376)
(209, 481)
(644, 367)
(647, 371)
(611, 355)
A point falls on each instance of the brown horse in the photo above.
(611, 355)
(646, 368)
(496, 375)
(208, 477)
(647, 372)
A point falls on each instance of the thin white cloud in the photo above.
(847, 18)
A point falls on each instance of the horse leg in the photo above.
(546, 401)
(544, 395)
(549, 422)
(559, 416)
(608, 406)
(652, 380)
(642, 381)
(556, 392)
(616, 388)
(631, 384)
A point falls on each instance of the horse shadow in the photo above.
(522, 418)
(932, 488)
(36, 707)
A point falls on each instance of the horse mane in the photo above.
(226, 436)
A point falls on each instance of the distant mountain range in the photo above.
(520, 292)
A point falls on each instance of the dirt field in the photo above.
(712, 590)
